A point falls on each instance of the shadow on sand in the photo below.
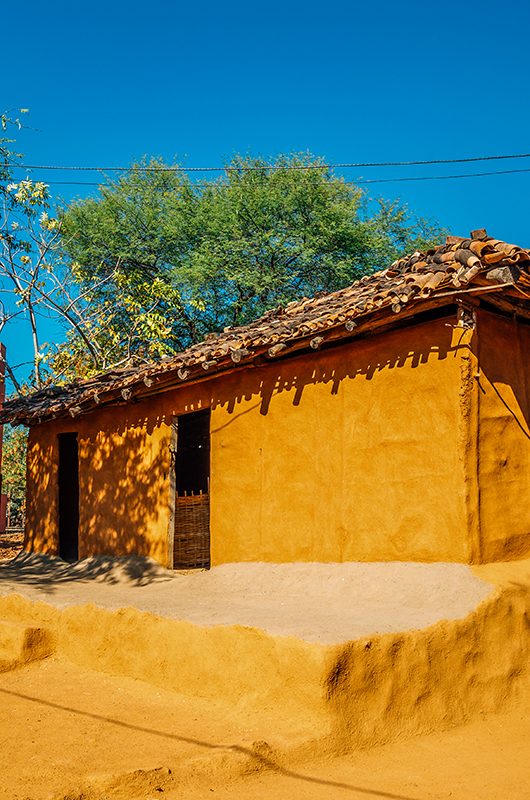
(48, 571)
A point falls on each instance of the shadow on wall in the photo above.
(123, 486)
(126, 469)
(503, 352)
(395, 350)
(365, 358)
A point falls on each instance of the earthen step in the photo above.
(21, 643)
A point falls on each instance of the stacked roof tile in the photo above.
(410, 285)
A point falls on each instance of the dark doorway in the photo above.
(68, 497)
(191, 544)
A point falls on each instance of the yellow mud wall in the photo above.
(355, 453)
(503, 352)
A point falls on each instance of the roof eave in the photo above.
(373, 322)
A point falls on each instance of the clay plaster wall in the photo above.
(354, 453)
(503, 352)
(355, 456)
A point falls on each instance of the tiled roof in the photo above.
(410, 285)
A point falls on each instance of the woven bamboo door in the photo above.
(191, 540)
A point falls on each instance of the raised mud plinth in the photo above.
(327, 697)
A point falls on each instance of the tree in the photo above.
(14, 473)
(35, 281)
(170, 260)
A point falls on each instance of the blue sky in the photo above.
(108, 82)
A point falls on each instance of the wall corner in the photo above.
(468, 436)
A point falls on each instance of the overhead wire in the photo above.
(359, 182)
(276, 167)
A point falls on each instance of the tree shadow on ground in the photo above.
(47, 571)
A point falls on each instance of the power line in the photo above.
(276, 167)
(446, 177)
(360, 182)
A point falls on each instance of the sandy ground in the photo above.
(73, 734)
(326, 603)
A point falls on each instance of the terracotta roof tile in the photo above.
(410, 285)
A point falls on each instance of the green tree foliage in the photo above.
(14, 472)
(170, 260)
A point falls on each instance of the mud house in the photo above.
(385, 421)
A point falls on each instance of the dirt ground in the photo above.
(74, 734)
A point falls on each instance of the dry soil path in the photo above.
(73, 734)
